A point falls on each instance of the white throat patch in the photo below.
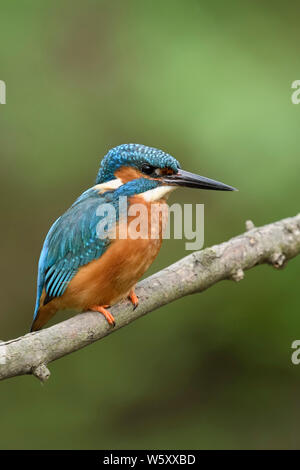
(157, 193)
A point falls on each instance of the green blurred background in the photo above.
(210, 83)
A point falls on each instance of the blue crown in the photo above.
(133, 155)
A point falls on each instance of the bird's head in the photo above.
(158, 169)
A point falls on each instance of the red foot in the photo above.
(102, 309)
(133, 298)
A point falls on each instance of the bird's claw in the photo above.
(133, 299)
(108, 316)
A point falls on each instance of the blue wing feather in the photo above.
(71, 242)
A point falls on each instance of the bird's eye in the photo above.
(147, 169)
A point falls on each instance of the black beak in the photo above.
(190, 180)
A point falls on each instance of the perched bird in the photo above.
(81, 271)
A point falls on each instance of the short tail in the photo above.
(44, 313)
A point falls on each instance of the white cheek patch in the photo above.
(108, 185)
(157, 193)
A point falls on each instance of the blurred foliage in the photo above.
(209, 82)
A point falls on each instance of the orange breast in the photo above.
(110, 278)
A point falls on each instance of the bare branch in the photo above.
(273, 244)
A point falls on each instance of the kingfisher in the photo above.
(80, 270)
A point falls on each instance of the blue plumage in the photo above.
(133, 155)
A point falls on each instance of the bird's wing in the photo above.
(72, 242)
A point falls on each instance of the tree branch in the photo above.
(273, 244)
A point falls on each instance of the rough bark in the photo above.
(274, 244)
